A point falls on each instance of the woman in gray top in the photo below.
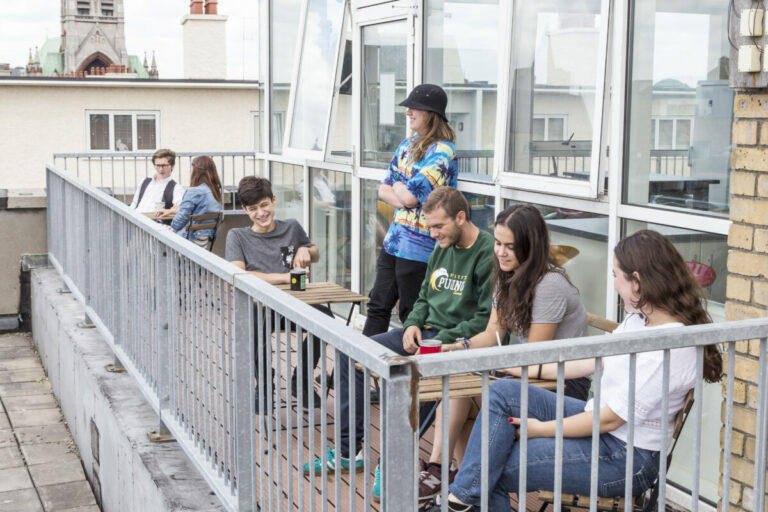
(533, 299)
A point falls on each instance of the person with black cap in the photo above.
(422, 162)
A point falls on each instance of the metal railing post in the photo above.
(244, 402)
(399, 431)
(162, 300)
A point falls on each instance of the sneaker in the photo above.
(376, 489)
(429, 480)
(317, 465)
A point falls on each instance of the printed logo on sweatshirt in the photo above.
(441, 280)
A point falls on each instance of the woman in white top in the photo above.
(658, 290)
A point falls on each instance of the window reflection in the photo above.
(316, 74)
(555, 62)
(331, 214)
(482, 210)
(375, 221)
(462, 55)
(706, 254)
(684, 103)
(285, 29)
(384, 83)
(287, 182)
(587, 233)
(340, 137)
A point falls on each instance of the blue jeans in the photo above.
(504, 453)
(393, 340)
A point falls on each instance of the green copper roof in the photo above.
(137, 67)
(51, 60)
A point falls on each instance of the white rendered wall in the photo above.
(43, 118)
(205, 46)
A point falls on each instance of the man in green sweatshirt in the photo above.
(454, 302)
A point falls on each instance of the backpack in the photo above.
(167, 193)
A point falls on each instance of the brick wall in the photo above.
(747, 285)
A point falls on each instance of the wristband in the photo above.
(464, 341)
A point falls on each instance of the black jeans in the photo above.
(306, 370)
(396, 278)
(393, 340)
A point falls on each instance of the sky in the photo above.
(149, 25)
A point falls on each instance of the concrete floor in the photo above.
(40, 469)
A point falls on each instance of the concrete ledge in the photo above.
(107, 414)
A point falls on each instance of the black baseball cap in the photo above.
(427, 97)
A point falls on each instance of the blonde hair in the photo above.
(437, 129)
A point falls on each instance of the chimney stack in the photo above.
(196, 7)
(211, 6)
(205, 50)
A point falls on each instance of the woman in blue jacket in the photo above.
(203, 196)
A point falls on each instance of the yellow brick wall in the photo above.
(747, 285)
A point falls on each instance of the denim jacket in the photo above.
(196, 200)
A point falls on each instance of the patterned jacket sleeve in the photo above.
(435, 170)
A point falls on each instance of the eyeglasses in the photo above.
(163, 166)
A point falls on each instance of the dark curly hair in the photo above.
(666, 282)
(515, 290)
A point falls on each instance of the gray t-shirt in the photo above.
(270, 253)
(556, 301)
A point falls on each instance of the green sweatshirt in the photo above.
(455, 297)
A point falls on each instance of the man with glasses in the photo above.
(160, 188)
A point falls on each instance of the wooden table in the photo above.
(326, 293)
(151, 215)
(466, 385)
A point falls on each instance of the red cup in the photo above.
(431, 346)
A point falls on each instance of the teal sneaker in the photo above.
(317, 465)
(376, 490)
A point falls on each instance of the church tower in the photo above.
(92, 35)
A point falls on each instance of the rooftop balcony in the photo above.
(186, 326)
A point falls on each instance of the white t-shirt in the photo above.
(154, 194)
(614, 391)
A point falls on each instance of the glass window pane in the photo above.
(340, 139)
(375, 221)
(99, 127)
(555, 57)
(384, 84)
(587, 233)
(538, 132)
(316, 75)
(707, 254)
(481, 210)
(285, 29)
(146, 135)
(123, 133)
(665, 134)
(682, 134)
(687, 166)
(462, 55)
(287, 186)
(331, 214)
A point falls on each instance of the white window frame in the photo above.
(554, 185)
(134, 133)
(546, 118)
(299, 152)
(675, 119)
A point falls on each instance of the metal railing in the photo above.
(119, 174)
(184, 324)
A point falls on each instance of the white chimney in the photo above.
(205, 42)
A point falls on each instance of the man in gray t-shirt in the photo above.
(269, 249)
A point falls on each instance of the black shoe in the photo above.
(315, 399)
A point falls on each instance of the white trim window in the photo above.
(122, 131)
(549, 127)
(671, 132)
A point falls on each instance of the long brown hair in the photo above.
(666, 282)
(204, 171)
(437, 130)
(515, 290)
